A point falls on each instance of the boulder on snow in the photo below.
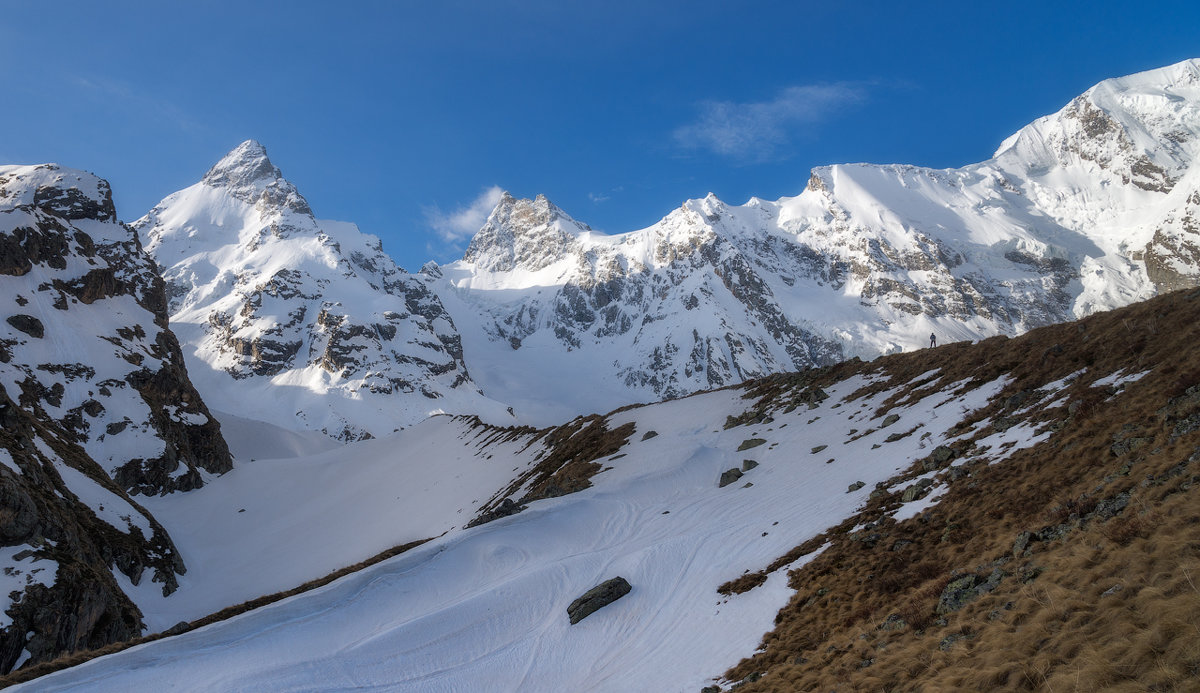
(27, 324)
(729, 476)
(916, 491)
(598, 597)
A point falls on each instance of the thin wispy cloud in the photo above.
(759, 131)
(462, 223)
(122, 95)
(598, 197)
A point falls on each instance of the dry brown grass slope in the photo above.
(1074, 564)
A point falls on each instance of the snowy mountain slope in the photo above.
(483, 608)
(300, 322)
(565, 320)
(273, 524)
(85, 340)
(1088, 209)
(96, 405)
(856, 460)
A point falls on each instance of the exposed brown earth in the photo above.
(1072, 565)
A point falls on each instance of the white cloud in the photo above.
(464, 222)
(756, 131)
(597, 197)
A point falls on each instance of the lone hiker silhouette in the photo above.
(932, 340)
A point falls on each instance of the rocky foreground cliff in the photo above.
(97, 409)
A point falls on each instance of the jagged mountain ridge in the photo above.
(1088, 209)
(312, 316)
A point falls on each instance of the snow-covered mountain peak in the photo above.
(523, 233)
(1141, 130)
(242, 201)
(247, 174)
(1086, 209)
(62, 192)
(278, 305)
(246, 163)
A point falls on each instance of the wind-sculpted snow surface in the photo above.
(484, 608)
(1094, 207)
(300, 322)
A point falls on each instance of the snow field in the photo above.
(272, 524)
(485, 608)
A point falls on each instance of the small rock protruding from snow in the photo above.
(598, 597)
(729, 476)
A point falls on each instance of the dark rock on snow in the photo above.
(598, 597)
(729, 476)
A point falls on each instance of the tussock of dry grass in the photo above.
(1112, 605)
(571, 460)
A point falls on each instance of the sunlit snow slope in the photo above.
(484, 608)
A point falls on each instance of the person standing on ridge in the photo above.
(932, 340)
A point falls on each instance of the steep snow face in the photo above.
(1118, 164)
(301, 322)
(85, 341)
(1088, 209)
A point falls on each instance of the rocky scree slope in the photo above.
(96, 406)
(298, 321)
(1088, 209)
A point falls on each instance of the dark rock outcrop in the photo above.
(598, 597)
(95, 405)
(729, 476)
(67, 554)
(96, 273)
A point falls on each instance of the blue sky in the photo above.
(405, 116)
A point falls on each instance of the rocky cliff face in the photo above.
(85, 340)
(302, 322)
(1088, 209)
(71, 537)
(684, 300)
(96, 406)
